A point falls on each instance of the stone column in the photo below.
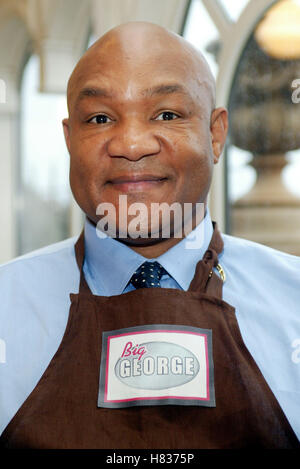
(269, 213)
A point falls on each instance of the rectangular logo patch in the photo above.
(156, 365)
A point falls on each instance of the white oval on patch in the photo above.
(162, 365)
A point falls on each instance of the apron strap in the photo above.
(206, 280)
(79, 253)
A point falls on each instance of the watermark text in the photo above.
(296, 92)
(296, 353)
(157, 221)
(2, 351)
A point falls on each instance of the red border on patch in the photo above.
(160, 397)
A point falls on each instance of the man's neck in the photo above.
(151, 251)
(155, 248)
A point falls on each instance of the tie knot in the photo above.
(148, 275)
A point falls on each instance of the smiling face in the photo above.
(141, 122)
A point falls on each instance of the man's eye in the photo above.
(99, 119)
(167, 116)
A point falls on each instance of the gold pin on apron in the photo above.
(221, 273)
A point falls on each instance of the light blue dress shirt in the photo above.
(261, 283)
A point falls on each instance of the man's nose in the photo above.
(133, 140)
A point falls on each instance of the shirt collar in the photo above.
(109, 264)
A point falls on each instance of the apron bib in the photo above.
(152, 369)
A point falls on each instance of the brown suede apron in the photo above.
(152, 369)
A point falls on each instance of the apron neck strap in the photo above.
(206, 280)
(79, 253)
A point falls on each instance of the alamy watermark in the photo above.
(296, 93)
(296, 353)
(2, 91)
(162, 220)
(2, 351)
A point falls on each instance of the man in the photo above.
(208, 360)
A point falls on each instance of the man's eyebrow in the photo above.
(165, 89)
(94, 92)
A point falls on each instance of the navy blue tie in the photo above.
(148, 275)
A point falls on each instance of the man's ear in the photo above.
(218, 130)
(66, 127)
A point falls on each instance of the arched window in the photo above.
(256, 58)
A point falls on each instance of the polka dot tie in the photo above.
(148, 275)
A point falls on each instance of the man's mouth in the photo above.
(136, 182)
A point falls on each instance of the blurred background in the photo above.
(253, 48)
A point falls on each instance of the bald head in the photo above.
(140, 46)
